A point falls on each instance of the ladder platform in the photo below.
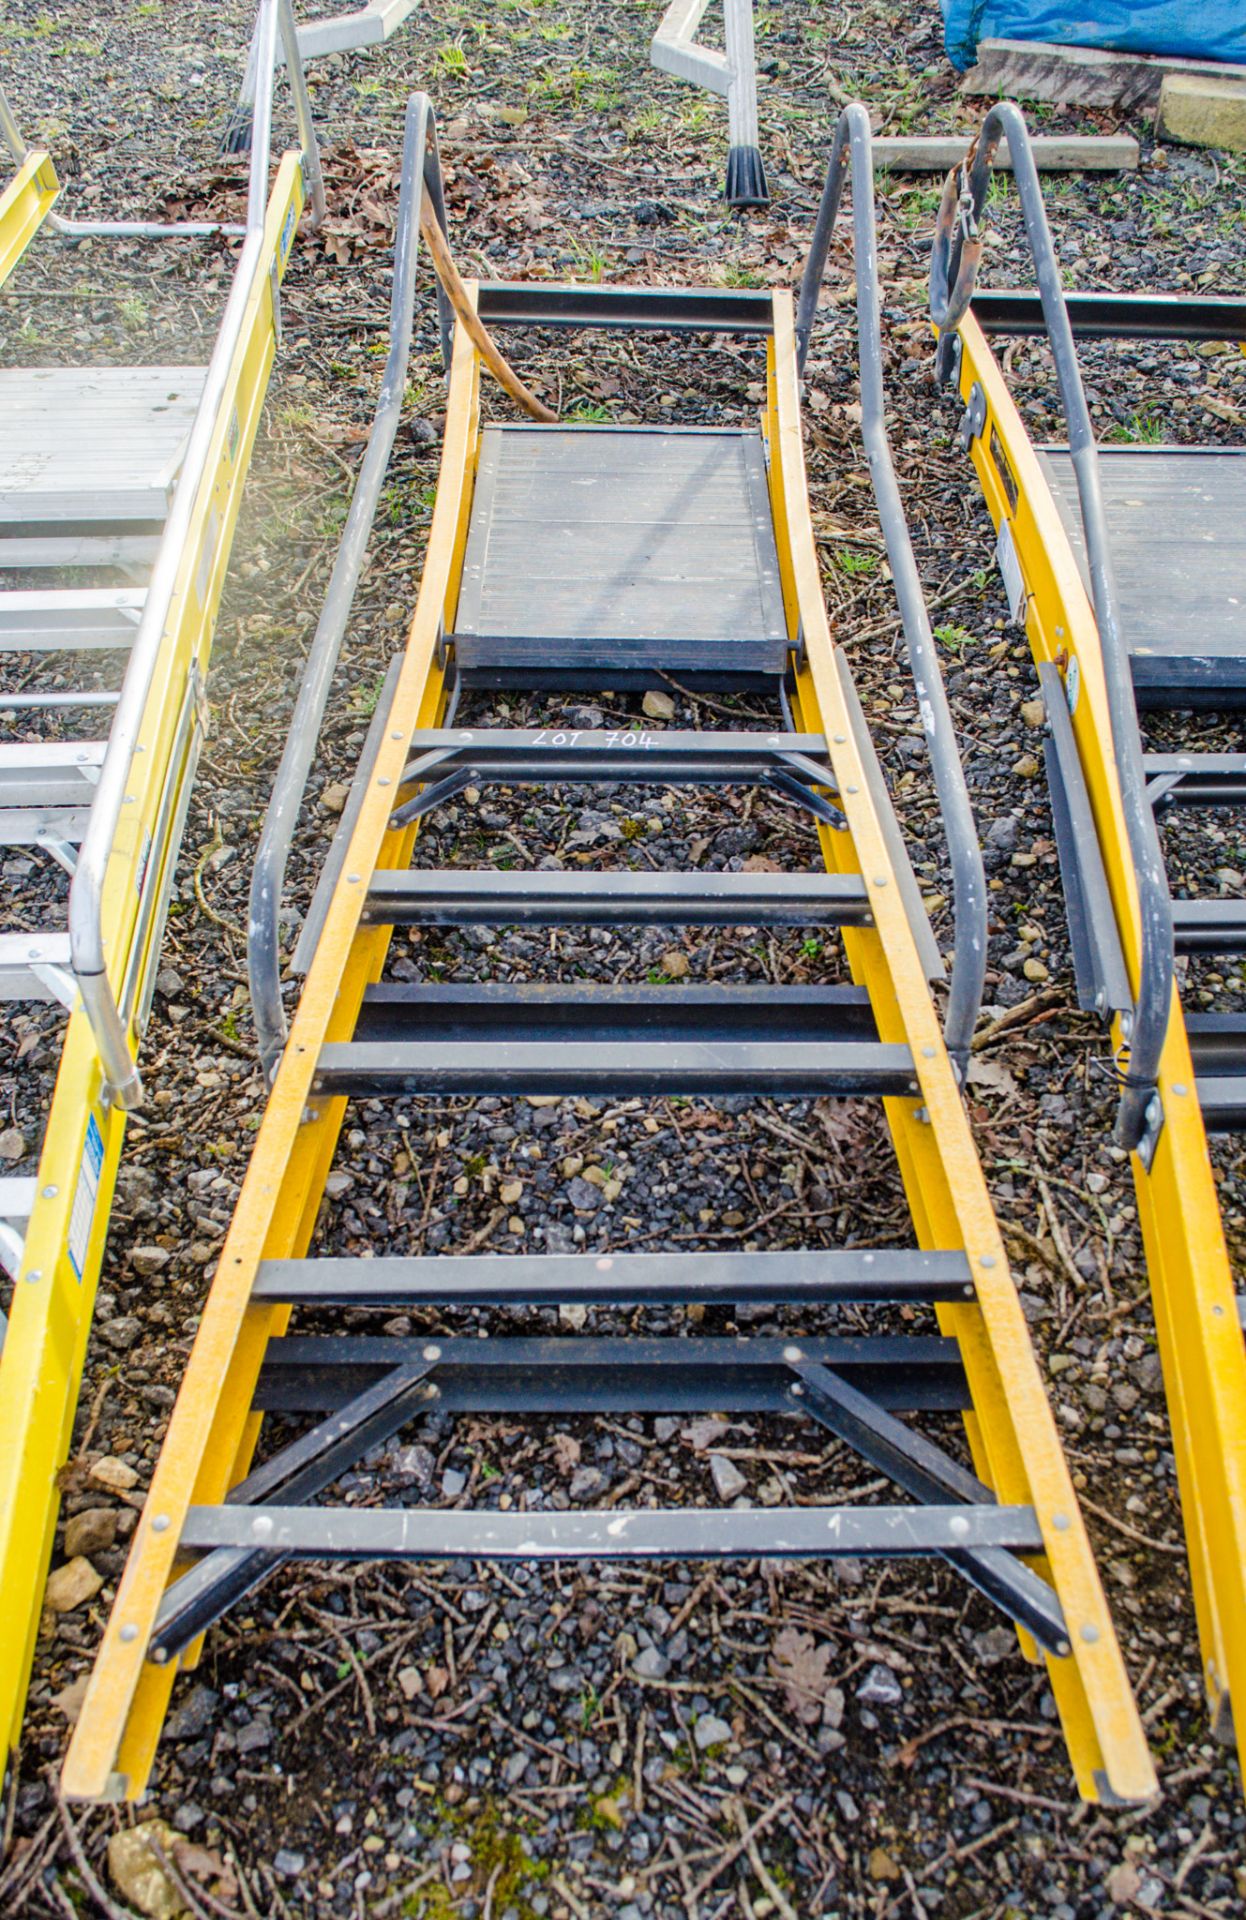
(600, 552)
(777, 1069)
(1176, 519)
(84, 444)
(69, 619)
(487, 896)
(591, 1011)
(838, 1276)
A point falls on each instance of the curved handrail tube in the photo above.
(421, 172)
(70, 229)
(969, 896)
(953, 265)
(86, 894)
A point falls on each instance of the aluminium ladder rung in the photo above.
(779, 1069)
(21, 953)
(842, 1275)
(70, 619)
(496, 897)
(36, 545)
(48, 773)
(680, 1533)
(535, 1011)
(43, 825)
(1209, 926)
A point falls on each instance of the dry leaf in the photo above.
(800, 1663)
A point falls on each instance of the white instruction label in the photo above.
(1072, 683)
(82, 1217)
(1010, 569)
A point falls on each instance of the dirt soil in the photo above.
(672, 1740)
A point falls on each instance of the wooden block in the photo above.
(1091, 153)
(1199, 112)
(1079, 76)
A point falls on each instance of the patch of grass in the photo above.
(954, 638)
(589, 413)
(1144, 427)
(450, 60)
(857, 565)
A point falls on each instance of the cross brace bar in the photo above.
(681, 1533)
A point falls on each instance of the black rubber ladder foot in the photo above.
(746, 178)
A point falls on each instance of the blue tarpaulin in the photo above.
(1189, 29)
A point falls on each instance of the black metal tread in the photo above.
(1218, 1049)
(316, 1373)
(488, 896)
(1222, 1100)
(1196, 779)
(1217, 1042)
(540, 1011)
(781, 1068)
(1209, 926)
(840, 1274)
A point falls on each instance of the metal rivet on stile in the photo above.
(880, 879)
(161, 1523)
(432, 1353)
(928, 1053)
(1179, 1086)
(1090, 1634)
(792, 1353)
(35, 1275)
(384, 781)
(986, 1260)
(841, 739)
(129, 1633)
(50, 1193)
(1061, 1522)
(798, 1390)
(352, 879)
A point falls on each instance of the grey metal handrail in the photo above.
(969, 897)
(69, 229)
(86, 933)
(421, 172)
(952, 272)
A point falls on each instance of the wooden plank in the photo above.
(1079, 76)
(1088, 153)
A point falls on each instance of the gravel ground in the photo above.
(673, 1740)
